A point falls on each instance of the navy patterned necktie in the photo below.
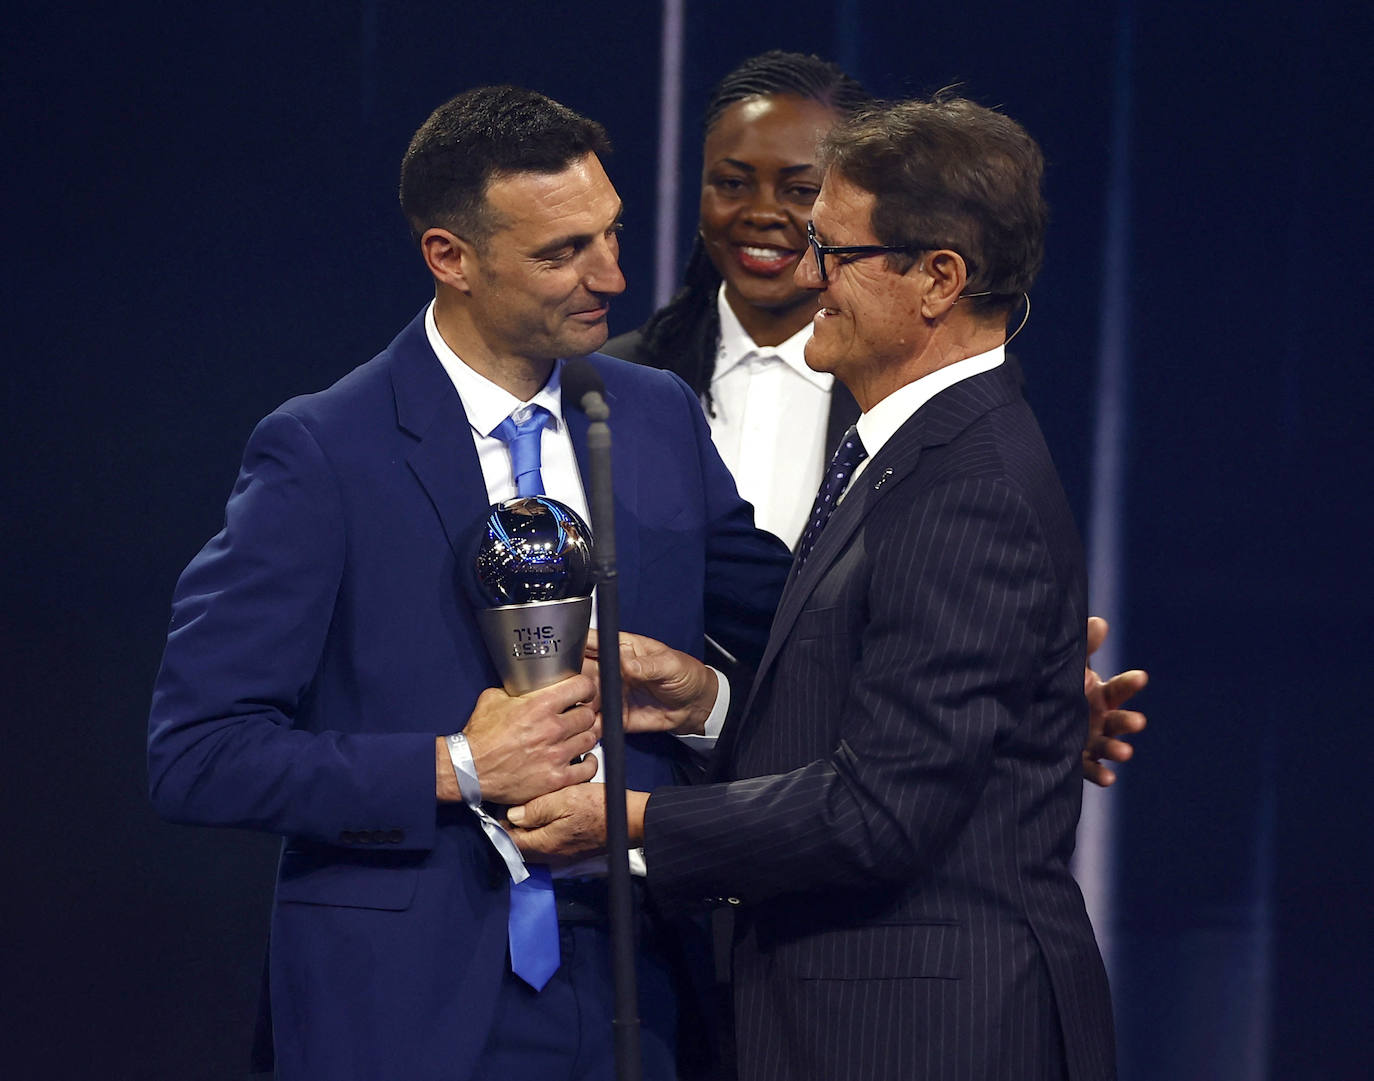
(848, 455)
(522, 432)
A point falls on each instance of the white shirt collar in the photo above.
(881, 422)
(736, 346)
(485, 403)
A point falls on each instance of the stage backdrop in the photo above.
(201, 223)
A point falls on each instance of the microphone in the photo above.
(584, 387)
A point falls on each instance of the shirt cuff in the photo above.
(715, 722)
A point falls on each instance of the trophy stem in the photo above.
(537, 643)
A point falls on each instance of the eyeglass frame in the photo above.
(822, 250)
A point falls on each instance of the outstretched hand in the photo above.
(664, 689)
(1108, 723)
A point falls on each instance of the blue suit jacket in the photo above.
(900, 797)
(323, 638)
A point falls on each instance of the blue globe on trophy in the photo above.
(532, 568)
(533, 549)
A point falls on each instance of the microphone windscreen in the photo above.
(579, 380)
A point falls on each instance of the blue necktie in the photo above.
(533, 924)
(848, 455)
(532, 927)
(522, 432)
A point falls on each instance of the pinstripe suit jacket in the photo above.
(895, 810)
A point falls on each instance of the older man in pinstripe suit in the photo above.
(894, 809)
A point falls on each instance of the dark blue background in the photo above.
(201, 222)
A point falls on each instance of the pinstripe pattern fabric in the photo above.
(896, 807)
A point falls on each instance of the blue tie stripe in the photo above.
(524, 439)
(532, 927)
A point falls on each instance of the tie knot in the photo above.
(851, 450)
(848, 455)
(524, 420)
(522, 432)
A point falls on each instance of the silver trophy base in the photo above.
(538, 643)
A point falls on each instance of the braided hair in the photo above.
(692, 311)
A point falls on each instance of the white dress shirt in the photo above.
(881, 422)
(771, 415)
(487, 405)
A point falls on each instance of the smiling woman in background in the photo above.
(737, 328)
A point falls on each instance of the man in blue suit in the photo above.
(324, 676)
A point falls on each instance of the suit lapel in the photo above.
(445, 458)
(897, 459)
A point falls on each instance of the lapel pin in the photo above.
(882, 480)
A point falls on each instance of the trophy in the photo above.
(532, 569)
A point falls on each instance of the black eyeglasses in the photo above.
(822, 250)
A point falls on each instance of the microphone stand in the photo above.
(626, 1021)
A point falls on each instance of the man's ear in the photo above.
(948, 275)
(451, 259)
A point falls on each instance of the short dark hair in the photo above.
(480, 135)
(949, 173)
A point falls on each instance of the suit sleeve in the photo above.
(249, 623)
(959, 586)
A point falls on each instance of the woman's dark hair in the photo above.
(692, 311)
